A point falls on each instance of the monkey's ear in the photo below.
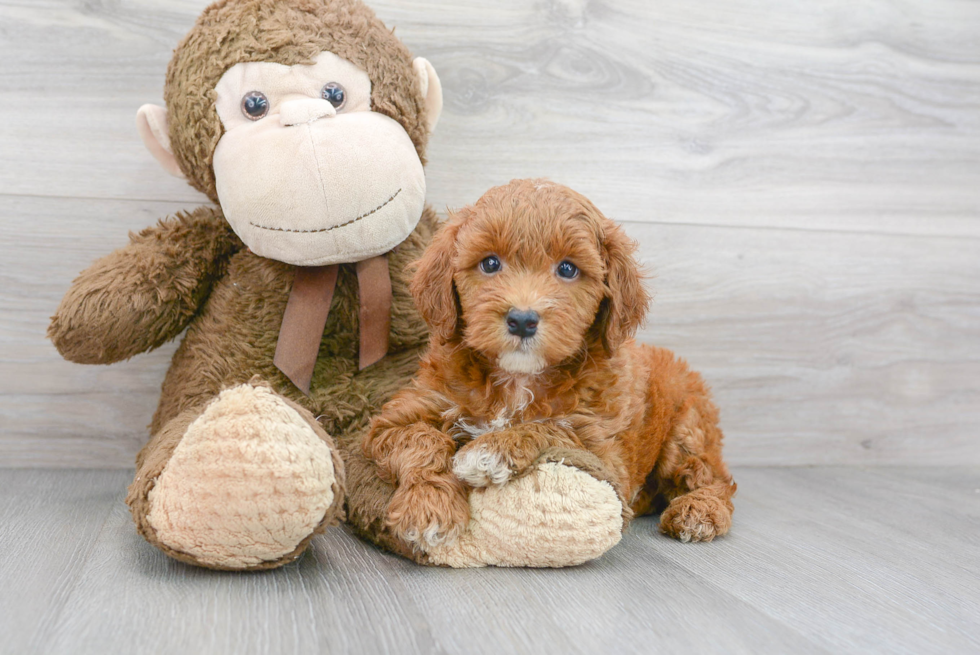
(154, 129)
(431, 89)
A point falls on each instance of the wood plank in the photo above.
(84, 69)
(49, 523)
(626, 602)
(957, 485)
(133, 599)
(831, 349)
(348, 597)
(939, 505)
(753, 112)
(826, 552)
(823, 116)
(838, 348)
(52, 412)
(827, 559)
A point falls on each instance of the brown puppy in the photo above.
(533, 297)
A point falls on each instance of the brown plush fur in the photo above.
(144, 295)
(234, 316)
(642, 411)
(287, 32)
(191, 272)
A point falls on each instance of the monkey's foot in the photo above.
(556, 515)
(249, 483)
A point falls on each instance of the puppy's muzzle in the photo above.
(522, 323)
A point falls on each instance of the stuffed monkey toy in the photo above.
(305, 122)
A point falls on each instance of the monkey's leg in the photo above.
(695, 481)
(564, 511)
(241, 483)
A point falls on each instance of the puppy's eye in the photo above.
(334, 94)
(567, 270)
(490, 265)
(255, 105)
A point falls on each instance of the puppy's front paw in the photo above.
(696, 517)
(426, 515)
(479, 466)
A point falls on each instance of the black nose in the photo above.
(522, 323)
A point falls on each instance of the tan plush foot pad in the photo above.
(555, 516)
(249, 481)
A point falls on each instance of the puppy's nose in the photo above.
(522, 323)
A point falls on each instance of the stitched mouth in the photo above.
(333, 227)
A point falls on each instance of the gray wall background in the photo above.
(803, 178)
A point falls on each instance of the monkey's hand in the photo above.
(142, 295)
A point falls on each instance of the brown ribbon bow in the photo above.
(307, 310)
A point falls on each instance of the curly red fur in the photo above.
(487, 402)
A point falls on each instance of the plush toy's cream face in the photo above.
(306, 173)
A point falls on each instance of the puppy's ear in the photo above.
(625, 306)
(432, 285)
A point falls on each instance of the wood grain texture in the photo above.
(897, 558)
(820, 560)
(802, 179)
(748, 112)
(49, 524)
(831, 349)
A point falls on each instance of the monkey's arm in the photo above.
(142, 295)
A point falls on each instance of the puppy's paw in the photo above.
(696, 517)
(479, 466)
(426, 515)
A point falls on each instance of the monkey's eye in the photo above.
(334, 94)
(255, 105)
(490, 265)
(567, 270)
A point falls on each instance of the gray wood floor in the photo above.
(844, 559)
(803, 178)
